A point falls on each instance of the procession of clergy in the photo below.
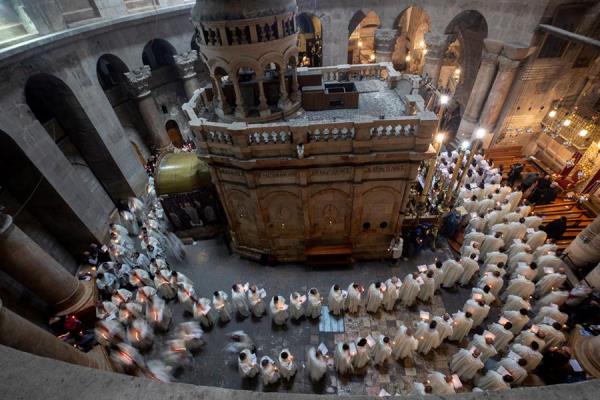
(501, 236)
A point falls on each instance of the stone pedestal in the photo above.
(436, 48)
(30, 265)
(507, 70)
(137, 84)
(481, 87)
(185, 64)
(385, 42)
(18, 333)
(583, 250)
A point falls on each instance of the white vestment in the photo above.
(443, 327)
(438, 383)
(487, 350)
(287, 367)
(404, 345)
(279, 311)
(335, 301)
(520, 286)
(516, 371)
(296, 306)
(514, 199)
(257, 305)
(461, 326)
(343, 360)
(470, 267)
(465, 365)
(533, 357)
(353, 299)
(479, 313)
(427, 289)
(549, 282)
(362, 357)
(391, 294)
(382, 351)
(488, 298)
(452, 271)
(503, 336)
(374, 298)
(247, 367)
(238, 299)
(409, 290)
(428, 338)
(515, 303)
(313, 305)
(554, 338)
(517, 320)
(491, 381)
(494, 282)
(550, 311)
(317, 365)
(269, 373)
(490, 244)
(496, 257)
(222, 306)
(533, 221)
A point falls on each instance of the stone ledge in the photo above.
(25, 376)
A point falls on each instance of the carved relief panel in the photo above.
(330, 216)
(242, 212)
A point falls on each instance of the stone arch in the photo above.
(158, 53)
(174, 133)
(330, 216)
(361, 36)
(380, 209)
(57, 108)
(466, 31)
(310, 40)
(409, 48)
(110, 71)
(284, 213)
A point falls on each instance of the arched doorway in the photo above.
(174, 133)
(410, 49)
(158, 53)
(56, 107)
(310, 40)
(361, 42)
(110, 70)
(463, 56)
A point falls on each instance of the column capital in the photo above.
(138, 81)
(385, 39)
(436, 44)
(506, 64)
(489, 58)
(185, 63)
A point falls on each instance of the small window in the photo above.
(366, 225)
(164, 109)
(383, 225)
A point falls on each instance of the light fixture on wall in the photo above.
(444, 99)
(360, 43)
(372, 57)
(566, 122)
(439, 138)
(583, 133)
(407, 58)
(552, 114)
(422, 44)
(480, 133)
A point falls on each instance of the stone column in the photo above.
(583, 250)
(137, 83)
(263, 107)
(385, 42)
(481, 87)
(240, 109)
(296, 95)
(507, 70)
(284, 101)
(185, 64)
(20, 334)
(30, 265)
(221, 101)
(436, 48)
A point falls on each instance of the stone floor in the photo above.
(210, 266)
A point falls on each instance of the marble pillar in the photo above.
(240, 108)
(185, 64)
(583, 250)
(507, 70)
(20, 334)
(284, 101)
(138, 86)
(481, 87)
(385, 42)
(30, 265)
(263, 107)
(436, 48)
(295, 96)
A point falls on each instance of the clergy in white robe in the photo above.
(470, 267)
(427, 335)
(484, 294)
(490, 244)
(516, 248)
(256, 303)
(106, 282)
(420, 389)
(440, 383)
(375, 296)
(533, 221)
(158, 314)
(530, 354)
(493, 381)
(279, 310)
(528, 337)
(247, 365)
(466, 363)
(515, 368)
(557, 297)
(343, 359)
(163, 285)
(106, 310)
(427, 289)
(496, 257)
(362, 356)
(515, 303)
(554, 335)
(478, 309)
(204, 312)
(550, 311)
(549, 282)
(405, 344)
(127, 359)
(313, 304)
(502, 227)
(513, 216)
(444, 326)
(109, 332)
(514, 199)
(409, 290)
(239, 301)
(121, 296)
(287, 366)
(336, 300)
(461, 325)
(269, 373)
(491, 269)
(129, 312)
(382, 351)
(316, 364)
(353, 300)
(485, 205)
(536, 239)
(492, 218)
(525, 210)
(502, 333)
(516, 230)
(438, 275)
(518, 319)
(471, 237)
(520, 286)
(296, 306)
(476, 223)
(522, 257)
(452, 271)
(544, 249)
(548, 261)
(139, 278)
(493, 280)
(392, 293)
(140, 335)
(485, 345)
(221, 305)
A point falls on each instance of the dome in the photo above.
(228, 10)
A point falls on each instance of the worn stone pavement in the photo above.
(211, 267)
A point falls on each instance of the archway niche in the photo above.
(361, 42)
(158, 53)
(271, 83)
(410, 48)
(110, 70)
(174, 133)
(249, 89)
(463, 55)
(310, 40)
(55, 106)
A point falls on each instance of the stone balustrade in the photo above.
(352, 72)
